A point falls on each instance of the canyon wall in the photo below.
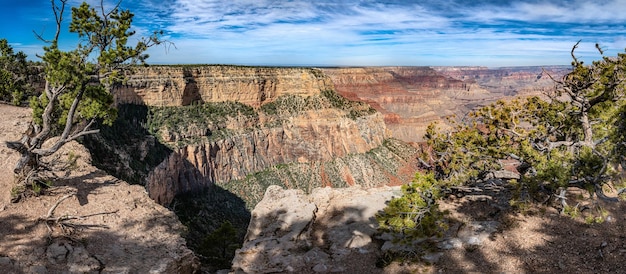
(413, 97)
(306, 131)
(183, 85)
(312, 137)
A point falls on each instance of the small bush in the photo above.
(416, 213)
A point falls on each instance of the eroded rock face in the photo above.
(320, 232)
(313, 137)
(410, 98)
(183, 85)
(413, 97)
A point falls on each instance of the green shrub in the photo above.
(416, 213)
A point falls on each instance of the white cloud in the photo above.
(371, 33)
(565, 11)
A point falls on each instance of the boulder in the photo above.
(294, 232)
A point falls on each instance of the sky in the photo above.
(489, 33)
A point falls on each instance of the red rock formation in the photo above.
(412, 97)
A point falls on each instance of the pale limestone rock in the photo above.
(180, 85)
(294, 232)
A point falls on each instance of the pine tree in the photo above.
(570, 137)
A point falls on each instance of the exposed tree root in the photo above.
(66, 222)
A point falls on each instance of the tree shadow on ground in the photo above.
(86, 184)
(539, 241)
(294, 235)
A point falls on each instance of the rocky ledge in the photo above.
(113, 227)
(335, 230)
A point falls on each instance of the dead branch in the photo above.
(54, 207)
(602, 196)
(65, 221)
(562, 198)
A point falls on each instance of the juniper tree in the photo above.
(78, 81)
(570, 137)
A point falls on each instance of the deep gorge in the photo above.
(206, 141)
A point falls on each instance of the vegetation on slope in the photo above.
(374, 166)
(183, 125)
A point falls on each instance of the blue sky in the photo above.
(352, 32)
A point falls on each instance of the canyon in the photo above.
(306, 134)
(208, 141)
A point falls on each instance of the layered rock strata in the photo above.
(313, 137)
(413, 97)
(183, 85)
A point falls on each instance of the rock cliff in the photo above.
(183, 85)
(248, 145)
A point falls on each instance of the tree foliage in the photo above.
(416, 213)
(78, 81)
(571, 137)
(14, 72)
(219, 246)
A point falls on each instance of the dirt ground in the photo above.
(118, 228)
(541, 240)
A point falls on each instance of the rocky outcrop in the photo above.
(325, 231)
(183, 85)
(116, 227)
(334, 230)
